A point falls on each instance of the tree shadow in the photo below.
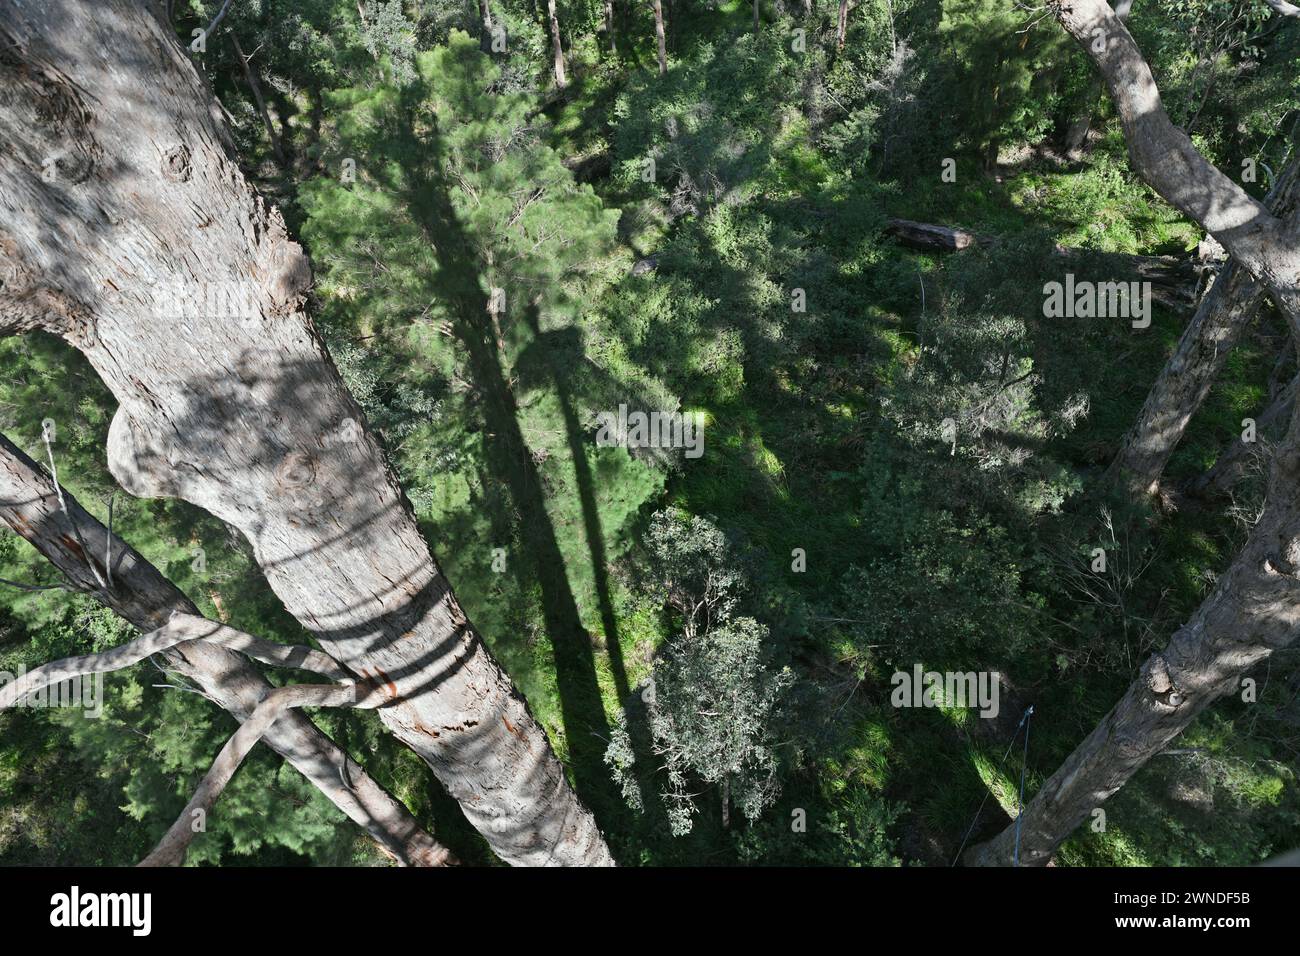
(514, 486)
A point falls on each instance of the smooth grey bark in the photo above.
(170, 850)
(1254, 609)
(230, 400)
(1284, 8)
(29, 505)
(1183, 384)
(557, 51)
(660, 43)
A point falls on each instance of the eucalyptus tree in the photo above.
(1254, 607)
(130, 231)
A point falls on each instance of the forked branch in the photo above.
(170, 850)
(180, 629)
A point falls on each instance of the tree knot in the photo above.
(1159, 682)
(296, 470)
(176, 163)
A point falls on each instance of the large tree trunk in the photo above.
(231, 402)
(1185, 381)
(842, 26)
(557, 51)
(485, 20)
(1253, 611)
(659, 37)
(1254, 608)
(609, 26)
(29, 506)
(1164, 156)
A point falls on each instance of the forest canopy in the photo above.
(813, 245)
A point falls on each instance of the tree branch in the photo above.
(76, 528)
(145, 598)
(180, 629)
(1164, 156)
(1284, 8)
(217, 19)
(170, 850)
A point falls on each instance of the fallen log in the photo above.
(929, 237)
(1175, 282)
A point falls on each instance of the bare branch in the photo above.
(180, 629)
(170, 850)
(217, 19)
(111, 660)
(297, 656)
(62, 586)
(145, 598)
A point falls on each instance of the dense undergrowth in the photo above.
(901, 452)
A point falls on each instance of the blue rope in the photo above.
(1011, 743)
(1020, 810)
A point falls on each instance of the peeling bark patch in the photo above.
(515, 730)
(73, 547)
(390, 689)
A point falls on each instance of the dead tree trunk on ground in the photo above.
(1174, 281)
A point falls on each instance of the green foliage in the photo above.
(713, 702)
(1008, 61)
(488, 414)
(714, 716)
(911, 426)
